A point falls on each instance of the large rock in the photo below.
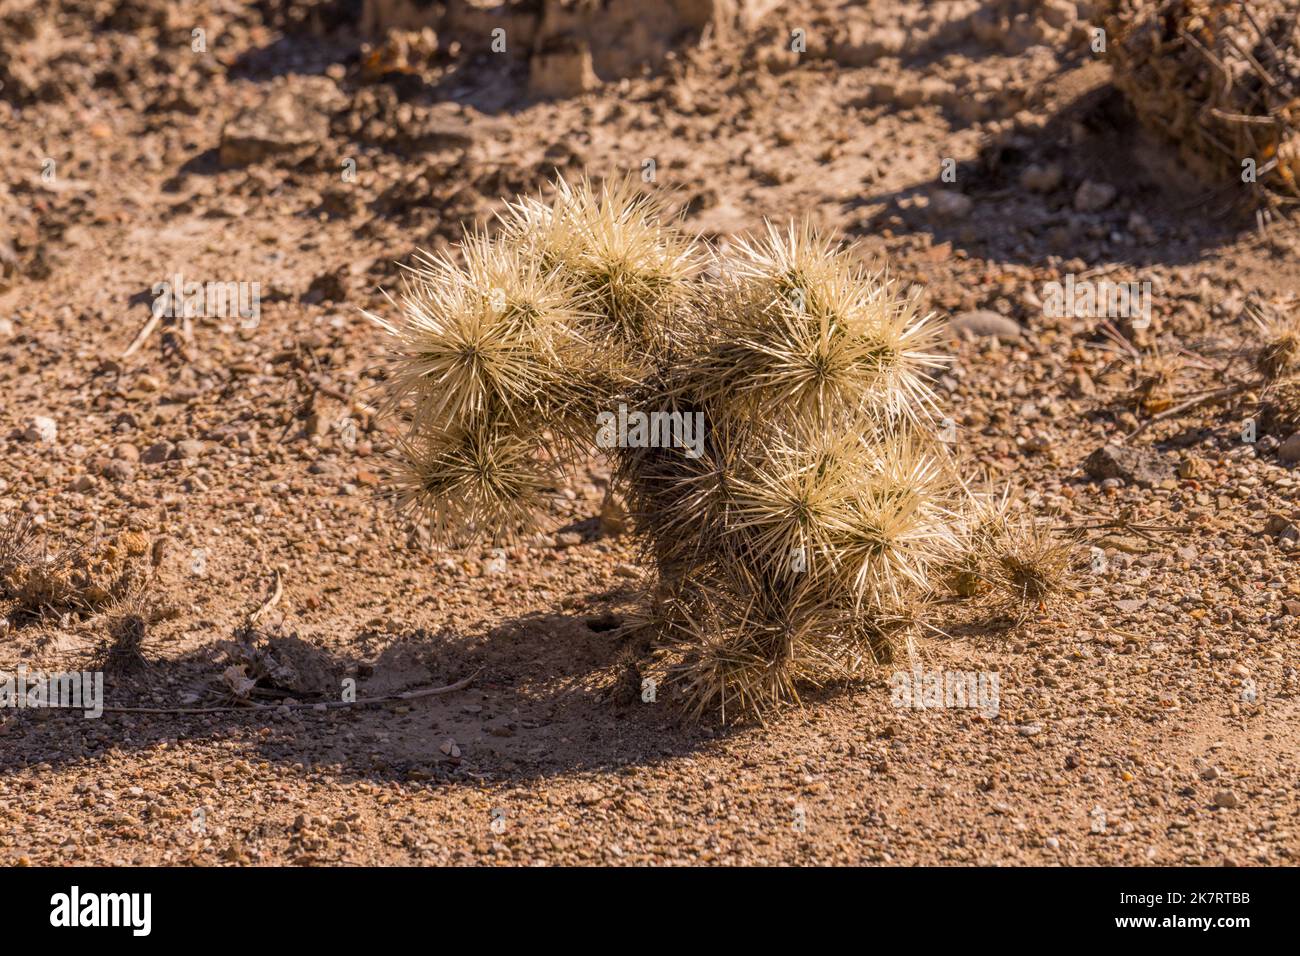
(561, 67)
(1139, 466)
(626, 34)
(859, 43)
(1289, 451)
(23, 250)
(292, 117)
(983, 323)
(575, 43)
(378, 16)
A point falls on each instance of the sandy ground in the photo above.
(1151, 720)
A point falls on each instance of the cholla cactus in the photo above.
(795, 537)
(1219, 78)
(611, 245)
(798, 330)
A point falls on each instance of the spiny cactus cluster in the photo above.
(769, 418)
(1220, 79)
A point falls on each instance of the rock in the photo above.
(41, 429)
(119, 469)
(897, 92)
(1289, 450)
(1193, 468)
(860, 43)
(940, 92)
(157, 453)
(562, 67)
(1093, 197)
(891, 40)
(1134, 465)
(6, 330)
(340, 202)
(1227, 800)
(127, 452)
(1079, 384)
(331, 286)
(950, 204)
(1059, 14)
(316, 424)
(1041, 179)
(189, 449)
(1279, 526)
(1140, 226)
(983, 323)
(293, 116)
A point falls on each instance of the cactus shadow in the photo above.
(332, 33)
(1160, 213)
(544, 700)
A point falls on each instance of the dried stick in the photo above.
(277, 591)
(359, 702)
(154, 318)
(1214, 396)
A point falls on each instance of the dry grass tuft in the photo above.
(129, 632)
(1279, 354)
(1281, 407)
(1009, 556)
(1030, 565)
